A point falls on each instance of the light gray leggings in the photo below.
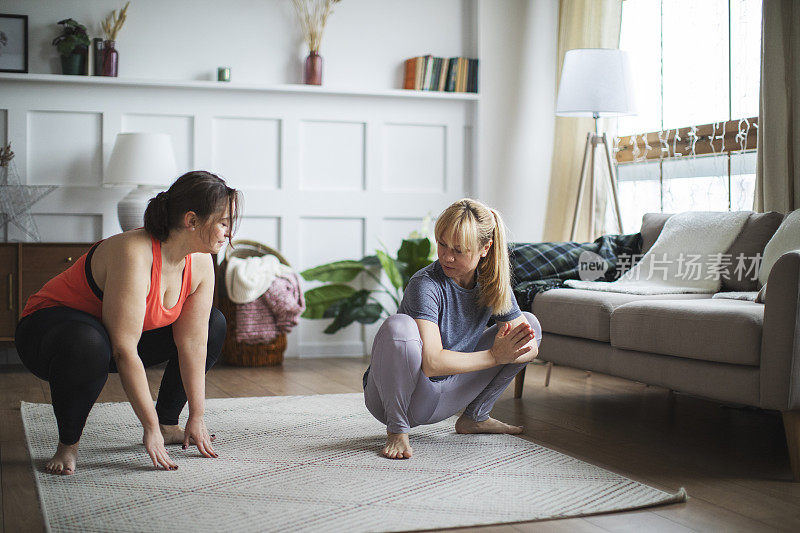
(401, 396)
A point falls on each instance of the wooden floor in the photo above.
(732, 461)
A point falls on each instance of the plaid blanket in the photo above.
(539, 267)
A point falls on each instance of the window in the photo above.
(696, 74)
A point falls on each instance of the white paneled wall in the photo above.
(332, 155)
(325, 175)
(3, 121)
(248, 151)
(64, 148)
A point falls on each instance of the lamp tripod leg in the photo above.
(612, 176)
(581, 187)
(592, 189)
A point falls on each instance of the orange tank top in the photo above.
(76, 288)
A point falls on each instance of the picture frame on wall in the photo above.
(13, 43)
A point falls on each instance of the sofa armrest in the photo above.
(780, 342)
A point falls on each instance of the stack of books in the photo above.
(453, 74)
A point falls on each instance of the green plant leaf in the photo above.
(338, 271)
(369, 314)
(319, 299)
(416, 253)
(414, 249)
(390, 267)
(353, 309)
(371, 261)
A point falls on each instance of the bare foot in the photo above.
(465, 424)
(174, 435)
(63, 462)
(397, 446)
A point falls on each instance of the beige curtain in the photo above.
(581, 24)
(778, 167)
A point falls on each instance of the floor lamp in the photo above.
(595, 82)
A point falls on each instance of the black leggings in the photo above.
(71, 350)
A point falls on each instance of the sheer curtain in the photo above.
(778, 166)
(581, 24)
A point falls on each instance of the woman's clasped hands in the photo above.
(514, 345)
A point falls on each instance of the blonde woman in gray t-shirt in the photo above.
(436, 357)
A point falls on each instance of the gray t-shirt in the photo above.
(432, 296)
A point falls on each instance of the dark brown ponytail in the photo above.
(202, 192)
(156, 217)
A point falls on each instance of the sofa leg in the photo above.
(518, 382)
(547, 376)
(791, 424)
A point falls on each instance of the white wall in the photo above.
(364, 44)
(517, 49)
(503, 159)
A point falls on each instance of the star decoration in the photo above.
(16, 199)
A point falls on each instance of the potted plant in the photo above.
(73, 47)
(345, 304)
(313, 15)
(111, 27)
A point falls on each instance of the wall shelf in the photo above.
(234, 86)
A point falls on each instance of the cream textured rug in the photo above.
(312, 463)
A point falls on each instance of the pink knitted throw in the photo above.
(274, 312)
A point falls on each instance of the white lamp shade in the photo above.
(595, 82)
(141, 159)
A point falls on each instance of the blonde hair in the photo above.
(470, 225)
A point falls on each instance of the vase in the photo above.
(312, 75)
(110, 59)
(97, 49)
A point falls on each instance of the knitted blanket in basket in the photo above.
(273, 313)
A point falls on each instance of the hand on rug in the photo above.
(196, 431)
(397, 446)
(64, 460)
(464, 425)
(154, 444)
(175, 434)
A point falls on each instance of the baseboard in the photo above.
(330, 349)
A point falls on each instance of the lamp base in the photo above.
(130, 210)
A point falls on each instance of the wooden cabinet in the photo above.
(24, 268)
(8, 293)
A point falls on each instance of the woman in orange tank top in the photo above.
(137, 299)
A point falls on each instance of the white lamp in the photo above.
(144, 160)
(595, 82)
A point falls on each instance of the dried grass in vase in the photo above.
(113, 23)
(313, 15)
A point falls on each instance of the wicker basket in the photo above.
(237, 353)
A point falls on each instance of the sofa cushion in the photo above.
(586, 314)
(786, 239)
(750, 243)
(652, 224)
(724, 331)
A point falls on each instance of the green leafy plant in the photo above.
(346, 304)
(73, 38)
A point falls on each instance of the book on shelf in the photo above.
(429, 73)
(450, 79)
(443, 74)
(410, 73)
